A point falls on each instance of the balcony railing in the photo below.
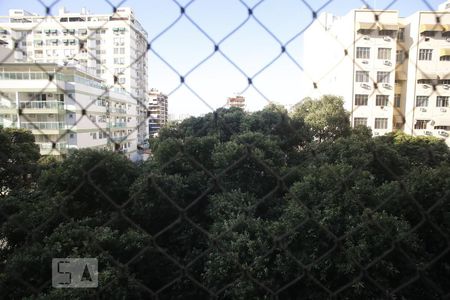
(42, 105)
(118, 138)
(118, 125)
(119, 110)
(42, 125)
(49, 146)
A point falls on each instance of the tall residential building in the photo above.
(157, 111)
(237, 101)
(393, 72)
(112, 47)
(66, 108)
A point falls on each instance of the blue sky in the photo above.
(251, 48)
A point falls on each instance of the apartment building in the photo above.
(392, 72)
(66, 108)
(112, 47)
(157, 111)
(237, 101)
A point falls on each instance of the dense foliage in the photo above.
(238, 206)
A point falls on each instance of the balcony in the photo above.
(118, 110)
(42, 105)
(48, 149)
(39, 126)
(118, 125)
(119, 139)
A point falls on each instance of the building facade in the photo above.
(158, 114)
(112, 47)
(66, 108)
(237, 101)
(393, 72)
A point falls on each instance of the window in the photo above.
(428, 33)
(360, 121)
(400, 56)
(365, 31)
(447, 128)
(390, 33)
(363, 52)
(425, 81)
(383, 77)
(382, 100)
(401, 35)
(422, 101)
(421, 124)
(384, 53)
(444, 81)
(442, 101)
(445, 58)
(397, 100)
(361, 100)
(116, 50)
(381, 123)
(94, 135)
(425, 54)
(362, 76)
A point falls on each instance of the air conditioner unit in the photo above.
(428, 133)
(443, 133)
(426, 86)
(51, 116)
(423, 109)
(365, 86)
(376, 133)
(387, 39)
(365, 62)
(446, 86)
(443, 109)
(387, 63)
(387, 86)
(366, 38)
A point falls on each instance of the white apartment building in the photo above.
(112, 47)
(393, 72)
(158, 114)
(66, 108)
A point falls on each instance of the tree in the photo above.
(18, 159)
(240, 205)
(326, 117)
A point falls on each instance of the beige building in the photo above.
(393, 72)
(237, 101)
(112, 47)
(158, 114)
(66, 108)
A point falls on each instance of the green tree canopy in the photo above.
(237, 205)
